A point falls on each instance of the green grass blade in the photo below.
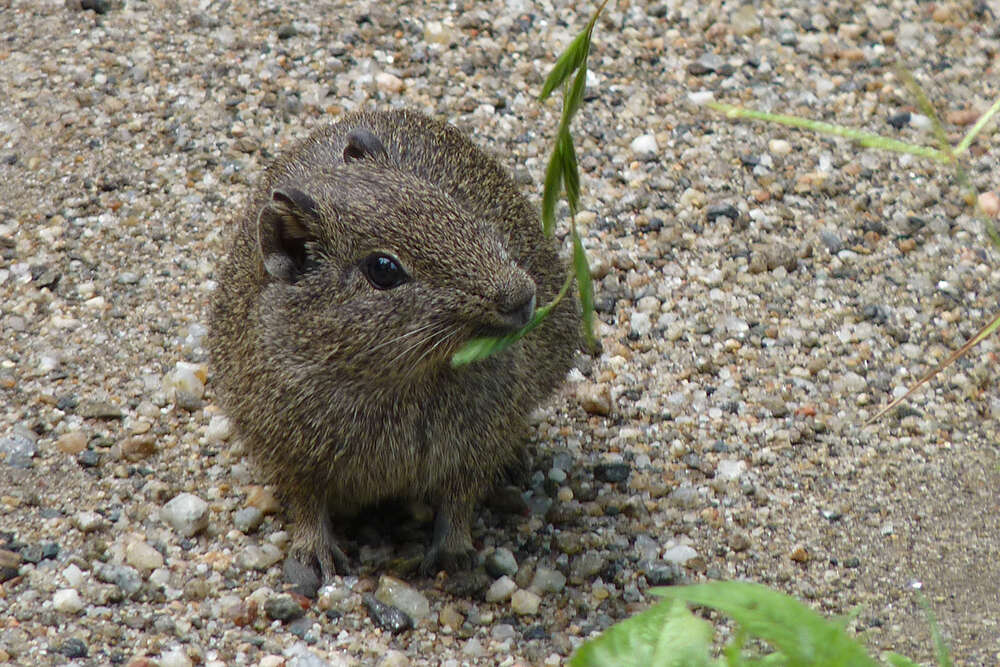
(478, 349)
(665, 635)
(940, 647)
(570, 170)
(801, 635)
(574, 96)
(925, 107)
(571, 59)
(866, 139)
(551, 190)
(970, 136)
(586, 286)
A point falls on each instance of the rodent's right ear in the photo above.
(362, 145)
(284, 232)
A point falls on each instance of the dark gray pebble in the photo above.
(283, 608)
(304, 579)
(386, 616)
(900, 120)
(124, 577)
(612, 473)
(88, 458)
(96, 6)
(717, 211)
(662, 574)
(73, 648)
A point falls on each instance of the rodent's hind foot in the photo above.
(450, 561)
(315, 557)
(451, 547)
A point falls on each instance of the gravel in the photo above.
(761, 292)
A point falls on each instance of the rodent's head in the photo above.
(373, 271)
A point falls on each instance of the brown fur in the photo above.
(343, 394)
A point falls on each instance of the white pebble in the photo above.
(87, 522)
(389, 83)
(73, 575)
(219, 429)
(730, 469)
(525, 603)
(141, 556)
(174, 658)
(779, 147)
(401, 595)
(679, 554)
(701, 97)
(186, 377)
(640, 324)
(644, 146)
(67, 601)
(501, 589)
(186, 513)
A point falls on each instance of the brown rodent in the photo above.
(370, 253)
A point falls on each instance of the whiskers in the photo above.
(420, 345)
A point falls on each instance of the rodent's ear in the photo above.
(362, 144)
(283, 232)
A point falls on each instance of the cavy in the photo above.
(371, 253)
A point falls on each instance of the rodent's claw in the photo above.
(451, 561)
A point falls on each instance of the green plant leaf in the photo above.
(940, 647)
(550, 193)
(897, 660)
(586, 286)
(570, 171)
(865, 139)
(665, 635)
(970, 136)
(478, 349)
(574, 95)
(568, 62)
(801, 635)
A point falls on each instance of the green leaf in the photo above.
(478, 349)
(570, 170)
(586, 286)
(665, 635)
(799, 633)
(550, 193)
(897, 660)
(568, 62)
(574, 96)
(866, 139)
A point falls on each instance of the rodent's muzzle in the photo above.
(516, 313)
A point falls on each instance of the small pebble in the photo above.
(67, 601)
(263, 498)
(451, 617)
(219, 429)
(501, 562)
(124, 577)
(613, 473)
(174, 658)
(283, 608)
(394, 658)
(88, 522)
(548, 580)
(525, 603)
(18, 447)
(258, 558)
(679, 554)
(779, 147)
(186, 513)
(73, 649)
(248, 519)
(501, 589)
(73, 442)
(399, 594)
(595, 398)
(644, 146)
(387, 617)
(143, 557)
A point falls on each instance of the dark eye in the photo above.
(383, 271)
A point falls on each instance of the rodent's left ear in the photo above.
(363, 145)
(284, 227)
